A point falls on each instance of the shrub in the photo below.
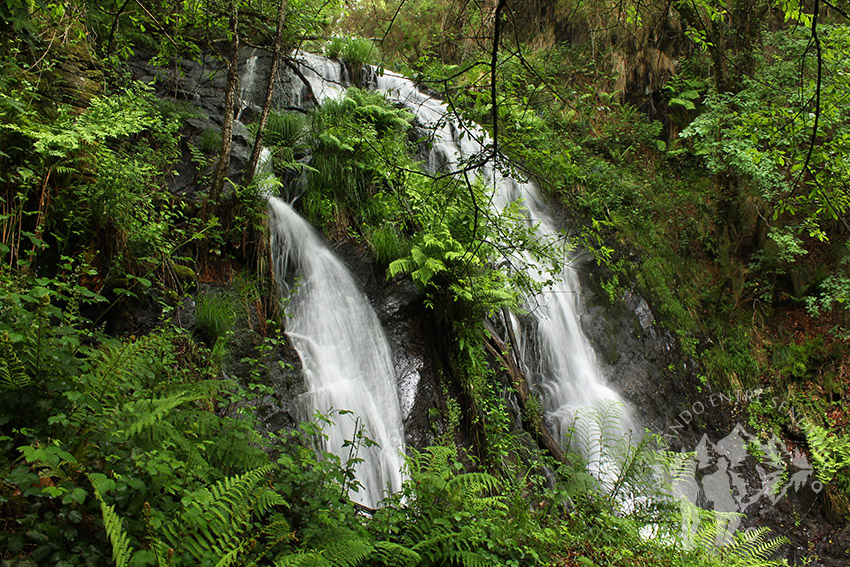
(210, 140)
(284, 129)
(388, 244)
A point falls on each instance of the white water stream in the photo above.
(346, 360)
(556, 354)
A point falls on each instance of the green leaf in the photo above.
(687, 104)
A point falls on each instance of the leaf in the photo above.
(687, 104)
(114, 526)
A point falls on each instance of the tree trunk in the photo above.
(267, 104)
(500, 351)
(229, 103)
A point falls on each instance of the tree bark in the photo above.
(229, 104)
(497, 347)
(267, 103)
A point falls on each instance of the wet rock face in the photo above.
(202, 85)
(645, 364)
(642, 360)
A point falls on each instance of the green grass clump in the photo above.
(353, 50)
(215, 315)
(210, 141)
(388, 244)
(284, 129)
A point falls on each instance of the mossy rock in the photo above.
(80, 78)
(184, 273)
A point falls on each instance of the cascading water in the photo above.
(555, 353)
(346, 359)
(553, 349)
(344, 353)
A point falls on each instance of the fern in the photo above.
(114, 526)
(151, 412)
(468, 558)
(305, 559)
(754, 549)
(13, 374)
(830, 452)
(395, 555)
(347, 551)
(447, 546)
(116, 369)
(215, 522)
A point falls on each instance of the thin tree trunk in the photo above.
(229, 104)
(267, 104)
(502, 353)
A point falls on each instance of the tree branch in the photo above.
(494, 60)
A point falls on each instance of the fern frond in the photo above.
(278, 530)
(114, 526)
(305, 559)
(437, 547)
(395, 555)
(232, 556)
(467, 559)
(268, 499)
(13, 374)
(755, 549)
(215, 520)
(161, 553)
(347, 551)
(473, 483)
(152, 411)
(400, 266)
(134, 359)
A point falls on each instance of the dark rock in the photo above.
(642, 360)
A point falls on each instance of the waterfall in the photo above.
(345, 356)
(344, 353)
(555, 353)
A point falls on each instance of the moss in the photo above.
(184, 273)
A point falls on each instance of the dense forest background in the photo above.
(700, 149)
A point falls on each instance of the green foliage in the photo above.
(437, 255)
(284, 129)
(215, 524)
(13, 374)
(799, 361)
(454, 511)
(216, 314)
(346, 191)
(831, 453)
(750, 548)
(761, 133)
(388, 244)
(100, 171)
(353, 50)
(210, 141)
(687, 87)
(112, 523)
(833, 291)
